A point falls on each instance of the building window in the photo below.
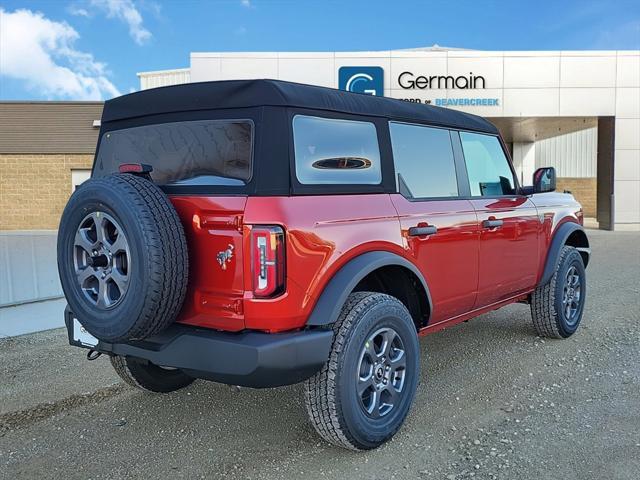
(423, 159)
(487, 165)
(79, 176)
(334, 151)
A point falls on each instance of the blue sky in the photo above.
(89, 49)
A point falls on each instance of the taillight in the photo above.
(267, 250)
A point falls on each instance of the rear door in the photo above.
(509, 223)
(440, 228)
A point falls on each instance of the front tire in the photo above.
(363, 394)
(557, 307)
(149, 377)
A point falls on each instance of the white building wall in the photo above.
(524, 160)
(627, 141)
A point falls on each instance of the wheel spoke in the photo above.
(399, 361)
(100, 222)
(370, 350)
(364, 384)
(374, 408)
(120, 280)
(85, 274)
(388, 338)
(103, 294)
(119, 245)
(82, 240)
(393, 394)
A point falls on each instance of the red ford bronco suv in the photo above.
(263, 233)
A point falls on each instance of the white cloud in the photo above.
(41, 52)
(246, 3)
(240, 31)
(78, 11)
(127, 12)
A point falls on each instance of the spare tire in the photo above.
(122, 258)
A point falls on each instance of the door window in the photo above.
(487, 165)
(423, 159)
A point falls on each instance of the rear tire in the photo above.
(149, 377)
(557, 307)
(348, 400)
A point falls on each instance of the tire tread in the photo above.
(320, 391)
(543, 309)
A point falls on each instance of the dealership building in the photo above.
(578, 111)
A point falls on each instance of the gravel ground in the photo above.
(495, 401)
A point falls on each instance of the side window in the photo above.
(423, 159)
(487, 166)
(334, 151)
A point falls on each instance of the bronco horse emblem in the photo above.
(225, 256)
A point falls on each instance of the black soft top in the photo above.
(256, 93)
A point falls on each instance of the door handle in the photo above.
(492, 223)
(421, 231)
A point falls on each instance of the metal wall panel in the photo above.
(574, 155)
(28, 270)
(164, 78)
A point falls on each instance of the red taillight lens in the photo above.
(135, 168)
(267, 250)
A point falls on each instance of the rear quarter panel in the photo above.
(322, 234)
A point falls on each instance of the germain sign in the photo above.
(370, 80)
(408, 80)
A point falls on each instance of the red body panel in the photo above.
(508, 254)
(449, 259)
(469, 269)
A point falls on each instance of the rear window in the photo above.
(207, 152)
(334, 151)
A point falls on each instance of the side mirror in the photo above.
(544, 180)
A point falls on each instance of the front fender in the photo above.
(329, 305)
(558, 241)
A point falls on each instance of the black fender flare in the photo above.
(335, 293)
(558, 241)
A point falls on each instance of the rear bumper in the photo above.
(251, 359)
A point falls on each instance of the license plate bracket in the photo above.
(81, 336)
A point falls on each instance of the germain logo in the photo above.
(408, 80)
(367, 80)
